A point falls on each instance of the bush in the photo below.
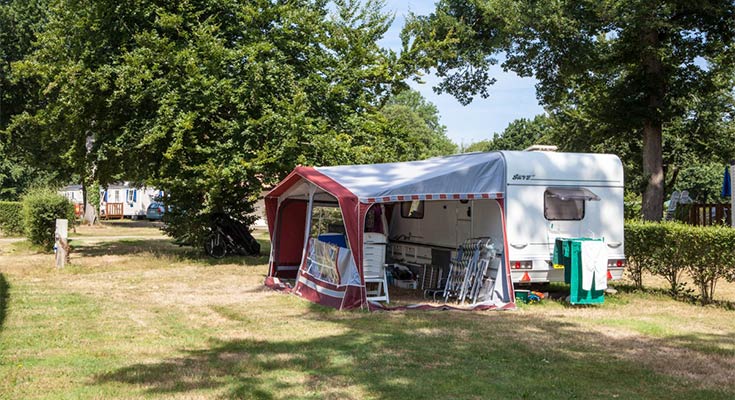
(41, 208)
(643, 243)
(11, 217)
(670, 249)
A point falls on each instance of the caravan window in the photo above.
(131, 196)
(565, 204)
(412, 209)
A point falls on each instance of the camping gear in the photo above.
(673, 202)
(337, 239)
(374, 266)
(229, 236)
(438, 203)
(468, 274)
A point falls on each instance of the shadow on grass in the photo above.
(133, 223)
(4, 298)
(422, 355)
(166, 249)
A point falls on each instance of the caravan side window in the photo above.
(131, 196)
(559, 208)
(412, 209)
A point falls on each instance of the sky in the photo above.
(511, 97)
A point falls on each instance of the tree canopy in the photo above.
(518, 135)
(209, 100)
(622, 71)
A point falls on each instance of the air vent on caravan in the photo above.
(541, 147)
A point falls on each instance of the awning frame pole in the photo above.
(307, 228)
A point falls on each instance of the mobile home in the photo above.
(124, 200)
(73, 193)
(516, 202)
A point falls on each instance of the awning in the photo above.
(572, 194)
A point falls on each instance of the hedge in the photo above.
(11, 218)
(41, 208)
(706, 254)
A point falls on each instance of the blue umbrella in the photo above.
(726, 183)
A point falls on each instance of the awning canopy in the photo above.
(357, 188)
(472, 175)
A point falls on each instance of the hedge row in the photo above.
(11, 218)
(41, 208)
(668, 250)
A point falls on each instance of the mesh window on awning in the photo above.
(572, 194)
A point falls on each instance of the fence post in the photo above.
(62, 244)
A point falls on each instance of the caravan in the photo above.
(514, 203)
(547, 195)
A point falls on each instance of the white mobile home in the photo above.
(126, 201)
(516, 203)
(73, 193)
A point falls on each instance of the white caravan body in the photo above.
(547, 195)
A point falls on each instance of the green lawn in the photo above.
(145, 318)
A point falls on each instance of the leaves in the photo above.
(609, 72)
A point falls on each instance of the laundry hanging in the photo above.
(594, 265)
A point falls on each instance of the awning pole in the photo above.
(307, 228)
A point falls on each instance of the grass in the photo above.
(144, 318)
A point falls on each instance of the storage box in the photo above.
(405, 284)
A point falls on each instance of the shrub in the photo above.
(41, 208)
(643, 243)
(11, 217)
(711, 255)
(670, 249)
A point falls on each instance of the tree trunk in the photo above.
(653, 197)
(89, 210)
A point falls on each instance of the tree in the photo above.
(518, 135)
(206, 100)
(412, 129)
(630, 66)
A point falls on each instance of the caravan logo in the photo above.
(519, 177)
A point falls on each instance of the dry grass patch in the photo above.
(145, 319)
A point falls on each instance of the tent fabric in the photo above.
(286, 252)
(466, 176)
(357, 188)
(329, 276)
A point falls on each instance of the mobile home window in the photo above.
(131, 196)
(412, 209)
(566, 204)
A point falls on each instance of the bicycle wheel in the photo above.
(214, 246)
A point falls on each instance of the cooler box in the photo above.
(568, 252)
(336, 239)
